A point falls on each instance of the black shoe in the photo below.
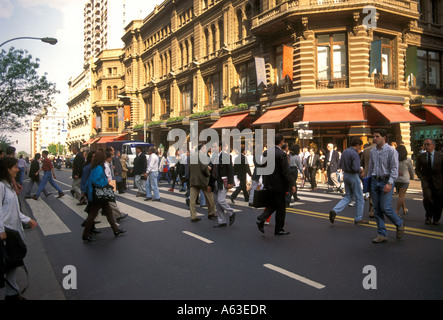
(195, 220)
(282, 233)
(88, 239)
(212, 217)
(187, 202)
(61, 194)
(220, 225)
(231, 219)
(147, 199)
(120, 231)
(156, 199)
(232, 200)
(332, 215)
(260, 226)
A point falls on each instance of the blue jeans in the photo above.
(382, 206)
(353, 189)
(47, 177)
(152, 185)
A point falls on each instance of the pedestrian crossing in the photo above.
(171, 204)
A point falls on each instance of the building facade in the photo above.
(50, 127)
(342, 67)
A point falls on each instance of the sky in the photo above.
(61, 19)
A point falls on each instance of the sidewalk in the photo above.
(43, 284)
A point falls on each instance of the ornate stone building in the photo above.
(343, 67)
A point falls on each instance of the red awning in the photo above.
(334, 112)
(395, 112)
(229, 121)
(121, 137)
(437, 112)
(274, 116)
(107, 139)
(91, 141)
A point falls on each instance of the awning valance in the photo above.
(334, 112)
(274, 116)
(437, 112)
(395, 112)
(229, 121)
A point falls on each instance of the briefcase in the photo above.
(261, 198)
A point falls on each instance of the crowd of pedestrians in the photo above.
(96, 175)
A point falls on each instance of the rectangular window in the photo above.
(331, 56)
(429, 69)
(112, 121)
(247, 78)
(186, 99)
(332, 61)
(386, 58)
(214, 90)
(166, 104)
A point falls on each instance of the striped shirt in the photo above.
(384, 162)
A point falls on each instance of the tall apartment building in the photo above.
(95, 27)
(50, 127)
(90, 95)
(343, 67)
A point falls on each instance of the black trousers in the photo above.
(241, 187)
(277, 203)
(433, 209)
(312, 172)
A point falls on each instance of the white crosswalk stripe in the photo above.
(47, 219)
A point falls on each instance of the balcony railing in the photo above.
(332, 83)
(384, 83)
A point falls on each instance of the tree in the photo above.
(23, 92)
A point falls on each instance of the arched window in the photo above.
(109, 93)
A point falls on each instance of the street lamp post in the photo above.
(51, 41)
(144, 113)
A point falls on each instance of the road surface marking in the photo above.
(198, 237)
(294, 276)
(47, 219)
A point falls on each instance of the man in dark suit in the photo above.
(277, 183)
(429, 170)
(331, 165)
(313, 164)
(241, 168)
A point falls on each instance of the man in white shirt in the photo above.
(152, 176)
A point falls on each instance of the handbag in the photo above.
(367, 184)
(103, 194)
(261, 198)
(14, 250)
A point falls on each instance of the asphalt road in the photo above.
(163, 256)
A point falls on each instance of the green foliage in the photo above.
(23, 92)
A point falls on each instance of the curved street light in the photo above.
(51, 41)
